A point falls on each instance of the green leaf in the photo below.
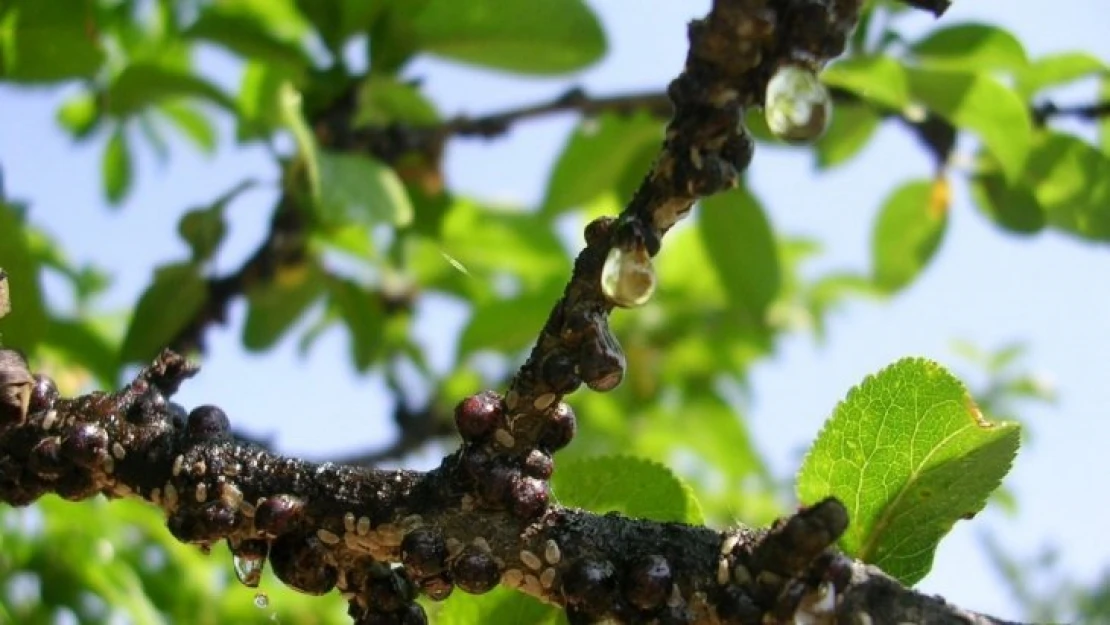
(741, 244)
(362, 312)
(522, 36)
(851, 128)
(383, 100)
(192, 123)
(258, 101)
(244, 33)
(596, 156)
(275, 305)
(358, 189)
(909, 454)
(141, 85)
(338, 20)
(972, 47)
(488, 328)
(1071, 181)
(25, 324)
(1013, 207)
(501, 605)
(116, 167)
(84, 345)
(631, 486)
(48, 41)
(164, 309)
(981, 104)
(1055, 70)
(908, 230)
(878, 79)
(79, 115)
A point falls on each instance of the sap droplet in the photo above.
(797, 106)
(261, 601)
(627, 278)
(248, 568)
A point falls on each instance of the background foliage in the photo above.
(365, 236)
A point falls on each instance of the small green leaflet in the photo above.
(908, 230)
(909, 453)
(358, 189)
(168, 304)
(116, 167)
(632, 486)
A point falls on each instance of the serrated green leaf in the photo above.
(908, 230)
(275, 305)
(48, 41)
(1055, 70)
(362, 312)
(632, 486)
(981, 104)
(192, 123)
(79, 115)
(358, 189)
(879, 79)
(246, 34)
(596, 156)
(116, 167)
(909, 454)
(741, 245)
(141, 85)
(972, 47)
(173, 298)
(498, 606)
(522, 36)
(851, 128)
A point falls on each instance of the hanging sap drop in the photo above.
(261, 601)
(248, 568)
(797, 106)
(627, 278)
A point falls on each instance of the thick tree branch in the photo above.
(484, 517)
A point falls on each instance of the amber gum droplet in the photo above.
(248, 569)
(797, 105)
(627, 278)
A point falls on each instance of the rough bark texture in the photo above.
(484, 517)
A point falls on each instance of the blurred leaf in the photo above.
(972, 47)
(48, 41)
(85, 345)
(501, 605)
(204, 228)
(908, 230)
(275, 305)
(338, 20)
(1012, 207)
(25, 324)
(356, 189)
(79, 115)
(1071, 181)
(521, 36)
(851, 128)
(596, 156)
(632, 486)
(1056, 69)
(362, 312)
(116, 167)
(979, 103)
(258, 102)
(171, 301)
(383, 100)
(192, 123)
(741, 244)
(879, 79)
(910, 454)
(245, 34)
(507, 325)
(140, 85)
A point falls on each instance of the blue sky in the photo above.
(984, 285)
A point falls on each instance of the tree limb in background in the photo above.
(483, 517)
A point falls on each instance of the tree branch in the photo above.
(483, 516)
